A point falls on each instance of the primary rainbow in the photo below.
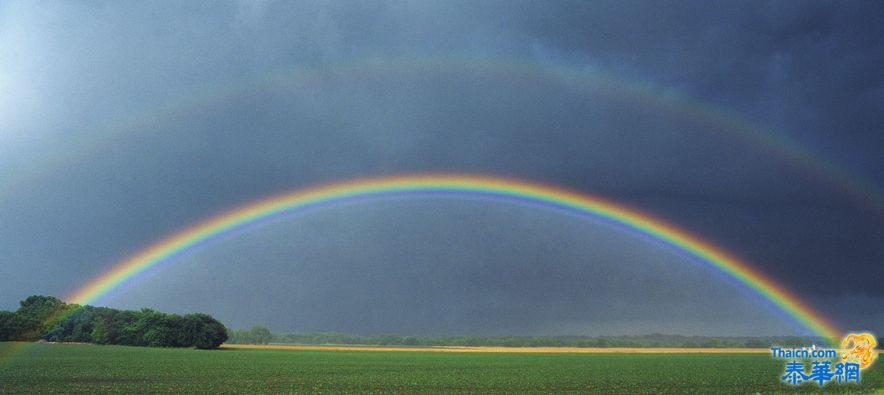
(465, 185)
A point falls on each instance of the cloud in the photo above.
(144, 118)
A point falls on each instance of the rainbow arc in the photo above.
(464, 185)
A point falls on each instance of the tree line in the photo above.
(256, 335)
(50, 319)
(244, 336)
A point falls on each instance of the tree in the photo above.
(157, 329)
(13, 326)
(204, 331)
(48, 318)
(101, 333)
(123, 327)
(39, 314)
(756, 343)
(74, 325)
(260, 335)
(240, 336)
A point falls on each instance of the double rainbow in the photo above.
(461, 185)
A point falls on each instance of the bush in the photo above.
(48, 318)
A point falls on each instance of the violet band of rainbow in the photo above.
(481, 186)
(647, 97)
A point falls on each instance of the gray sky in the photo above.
(123, 122)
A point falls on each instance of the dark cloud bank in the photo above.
(84, 85)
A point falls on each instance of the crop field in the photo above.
(41, 368)
(492, 349)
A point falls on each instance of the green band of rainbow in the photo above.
(456, 184)
(111, 131)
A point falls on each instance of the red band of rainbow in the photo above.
(456, 184)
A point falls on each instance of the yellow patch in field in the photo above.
(588, 350)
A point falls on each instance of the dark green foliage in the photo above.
(256, 335)
(204, 331)
(32, 319)
(40, 307)
(115, 327)
(260, 335)
(241, 336)
(155, 329)
(48, 318)
(169, 330)
(75, 326)
(13, 326)
(38, 314)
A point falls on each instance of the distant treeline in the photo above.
(260, 335)
(48, 318)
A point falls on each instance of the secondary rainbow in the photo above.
(111, 131)
(464, 185)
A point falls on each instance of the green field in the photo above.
(41, 368)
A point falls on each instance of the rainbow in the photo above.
(115, 131)
(459, 185)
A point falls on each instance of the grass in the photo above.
(500, 349)
(41, 368)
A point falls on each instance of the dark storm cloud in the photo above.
(806, 70)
